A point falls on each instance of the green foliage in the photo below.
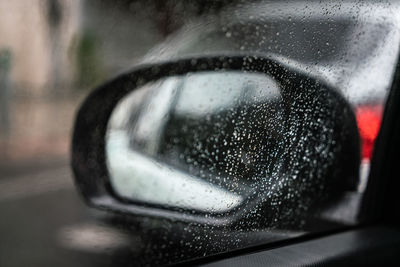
(89, 65)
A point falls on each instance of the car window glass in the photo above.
(225, 157)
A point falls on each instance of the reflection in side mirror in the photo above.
(196, 142)
(222, 140)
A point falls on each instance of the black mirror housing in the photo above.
(299, 89)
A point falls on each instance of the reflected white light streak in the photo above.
(137, 177)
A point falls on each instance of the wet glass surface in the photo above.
(52, 53)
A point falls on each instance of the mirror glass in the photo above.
(204, 141)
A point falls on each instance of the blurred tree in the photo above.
(5, 94)
(54, 17)
(89, 65)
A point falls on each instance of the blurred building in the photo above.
(38, 35)
(36, 42)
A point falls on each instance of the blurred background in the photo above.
(53, 52)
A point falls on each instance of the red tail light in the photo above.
(369, 119)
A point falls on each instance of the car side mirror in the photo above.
(216, 140)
